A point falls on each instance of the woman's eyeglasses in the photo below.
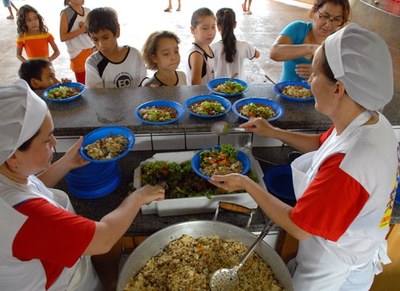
(326, 17)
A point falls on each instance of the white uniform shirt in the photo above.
(370, 163)
(102, 73)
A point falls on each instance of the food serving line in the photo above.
(104, 107)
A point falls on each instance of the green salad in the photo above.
(63, 92)
(220, 162)
(230, 87)
(257, 110)
(180, 180)
(158, 113)
(207, 107)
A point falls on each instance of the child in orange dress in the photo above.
(33, 36)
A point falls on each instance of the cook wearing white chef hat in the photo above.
(346, 178)
(360, 59)
(21, 114)
(44, 245)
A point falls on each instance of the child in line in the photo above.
(73, 33)
(9, 5)
(112, 66)
(230, 52)
(39, 74)
(246, 8)
(200, 66)
(33, 36)
(161, 54)
(169, 8)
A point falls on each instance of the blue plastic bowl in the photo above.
(278, 90)
(241, 156)
(93, 174)
(224, 102)
(158, 103)
(98, 191)
(278, 180)
(72, 85)
(259, 100)
(103, 132)
(215, 82)
(397, 198)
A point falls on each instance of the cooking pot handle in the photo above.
(233, 207)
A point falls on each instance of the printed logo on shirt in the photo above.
(123, 80)
(389, 206)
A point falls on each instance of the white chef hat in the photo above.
(360, 59)
(21, 114)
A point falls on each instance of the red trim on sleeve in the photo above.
(324, 136)
(53, 235)
(331, 202)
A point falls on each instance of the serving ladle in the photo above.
(222, 127)
(226, 279)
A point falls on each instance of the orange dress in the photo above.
(36, 46)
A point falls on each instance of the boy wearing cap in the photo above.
(44, 245)
(112, 66)
(345, 182)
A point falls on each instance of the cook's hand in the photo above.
(230, 182)
(148, 193)
(72, 158)
(304, 70)
(259, 126)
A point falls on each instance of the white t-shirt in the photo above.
(102, 73)
(224, 69)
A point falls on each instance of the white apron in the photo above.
(80, 277)
(317, 267)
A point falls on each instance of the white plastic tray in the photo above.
(193, 205)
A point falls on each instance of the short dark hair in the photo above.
(33, 69)
(102, 18)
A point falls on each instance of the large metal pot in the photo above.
(154, 244)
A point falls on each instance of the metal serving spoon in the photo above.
(226, 279)
(234, 75)
(222, 127)
(269, 79)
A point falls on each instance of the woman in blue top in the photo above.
(298, 41)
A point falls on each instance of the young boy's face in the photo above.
(48, 78)
(105, 41)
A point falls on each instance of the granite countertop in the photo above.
(102, 107)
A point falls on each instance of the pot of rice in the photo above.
(184, 256)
